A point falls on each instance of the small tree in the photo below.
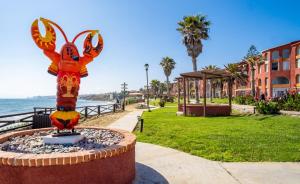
(212, 83)
(168, 64)
(155, 87)
(162, 88)
(236, 72)
(253, 58)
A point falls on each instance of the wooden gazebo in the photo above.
(204, 109)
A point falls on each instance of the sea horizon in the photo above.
(19, 105)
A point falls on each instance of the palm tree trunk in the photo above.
(252, 81)
(194, 60)
(168, 87)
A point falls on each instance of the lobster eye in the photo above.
(75, 58)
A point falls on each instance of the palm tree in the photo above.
(168, 64)
(155, 86)
(194, 29)
(253, 58)
(162, 88)
(236, 73)
(212, 83)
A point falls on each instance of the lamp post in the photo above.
(146, 68)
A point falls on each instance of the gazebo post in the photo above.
(204, 95)
(184, 96)
(230, 93)
(178, 90)
(188, 90)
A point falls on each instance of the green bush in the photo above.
(264, 107)
(131, 101)
(168, 99)
(289, 102)
(162, 103)
(245, 100)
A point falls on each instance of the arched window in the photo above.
(259, 82)
(286, 53)
(275, 55)
(298, 78)
(280, 80)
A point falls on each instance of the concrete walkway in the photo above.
(157, 164)
(127, 122)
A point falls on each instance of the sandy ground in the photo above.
(106, 119)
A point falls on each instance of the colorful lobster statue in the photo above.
(68, 66)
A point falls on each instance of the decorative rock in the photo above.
(94, 139)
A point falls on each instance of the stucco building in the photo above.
(280, 71)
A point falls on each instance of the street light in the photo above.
(146, 68)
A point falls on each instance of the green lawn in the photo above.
(155, 102)
(234, 138)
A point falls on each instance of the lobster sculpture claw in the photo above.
(68, 66)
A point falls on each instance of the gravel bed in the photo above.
(95, 139)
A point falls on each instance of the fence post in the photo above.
(34, 109)
(85, 111)
(99, 109)
(114, 109)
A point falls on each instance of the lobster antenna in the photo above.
(83, 32)
(58, 27)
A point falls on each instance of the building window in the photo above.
(275, 66)
(298, 79)
(266, 81)
(275, 55)
(259, 82)
(286, 65)
(280, 80)
(266, 67)
(286, 53)
(298, 50)
(297, 63)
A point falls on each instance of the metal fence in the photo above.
(39, 117)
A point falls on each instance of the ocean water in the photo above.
(12, 106)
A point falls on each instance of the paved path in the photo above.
(157, 164)
(127, 122)
(165, 165)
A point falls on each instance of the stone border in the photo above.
(38, 160)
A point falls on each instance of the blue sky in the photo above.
(135, 32)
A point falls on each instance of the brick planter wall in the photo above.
(115, 164)
(211, 110)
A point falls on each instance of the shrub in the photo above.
(245, 100)
(162, 103)
(240, 100)
(289, 102)
(264, 107)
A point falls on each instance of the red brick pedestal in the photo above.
(115, 164)
(211, 110)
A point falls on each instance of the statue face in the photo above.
(69, 52)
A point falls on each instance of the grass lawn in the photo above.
(234, 138)
(155, 102)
